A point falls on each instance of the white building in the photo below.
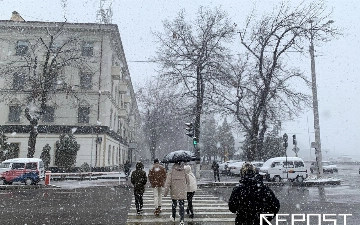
(92, 97)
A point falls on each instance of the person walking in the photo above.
(251, 198)
(127, 168)
(215, 168)
(176, 182)
(191, 188)
(139, 179)
(157, 177)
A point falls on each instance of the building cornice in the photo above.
(60, 129)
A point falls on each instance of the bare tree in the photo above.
(260, 87)
(268, 42)
(191, 53)
(161, 110)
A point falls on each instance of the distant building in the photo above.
(348, 158)
(97, 104)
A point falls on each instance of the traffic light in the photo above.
(190, 129)
(285, 138)
(294, 139)
(195, 141)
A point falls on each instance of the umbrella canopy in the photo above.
(179, 156)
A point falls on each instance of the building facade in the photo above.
(91, 93)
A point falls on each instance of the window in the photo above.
(22, 47)
(18, 81)
(111, 113)
(83, 114)
(48, 115)
(86, 81)
(31, 166)
(288, 164)
(109, 154)
(298, 164)
(14, 113)
(18, 166)
(275, 164)
(88, 49)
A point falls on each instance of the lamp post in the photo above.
(318, 154)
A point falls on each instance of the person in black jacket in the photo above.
(215, 168)
(251, 197)
(139, 179)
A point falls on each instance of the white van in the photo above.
(278, 168)
(25, 170)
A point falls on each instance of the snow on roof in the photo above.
(24, 160)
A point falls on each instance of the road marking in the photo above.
(208, 209)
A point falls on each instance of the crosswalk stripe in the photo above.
(208, 209)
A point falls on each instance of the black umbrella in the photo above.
(179, 156)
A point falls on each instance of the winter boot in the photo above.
(156, 212)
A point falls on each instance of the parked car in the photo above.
(25, 170)
(258, 165)
(224, 167)
(327, 167)
(234, 168)
(279, 168)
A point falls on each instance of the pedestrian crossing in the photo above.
(208, 209)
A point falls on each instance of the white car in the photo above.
(327, 167)
(234, 168)
(224, 167)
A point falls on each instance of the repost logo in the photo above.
(310, 219)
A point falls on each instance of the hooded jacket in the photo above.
(157, 176)
(139, 179)
(250, 199)
(191, 186)
(176, 182)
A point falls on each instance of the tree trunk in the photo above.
(262, 135)
(153, 143)
(33, 133)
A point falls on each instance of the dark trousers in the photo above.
(216, 174)
(138, 201)
(181, 208)
(190, 196)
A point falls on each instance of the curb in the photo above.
(273, 184)
(22, 186)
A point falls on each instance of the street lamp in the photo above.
(318, 154)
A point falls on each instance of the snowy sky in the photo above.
(337, 65)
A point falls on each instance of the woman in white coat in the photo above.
(191, 188)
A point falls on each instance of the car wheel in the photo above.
(7, 183)
(300, 179)
(29, 181)
(277, 178)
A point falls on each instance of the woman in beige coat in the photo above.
(176, 182)
(191, 188)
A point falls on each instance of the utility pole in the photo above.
(317, 146)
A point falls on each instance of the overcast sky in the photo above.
(337, 62)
